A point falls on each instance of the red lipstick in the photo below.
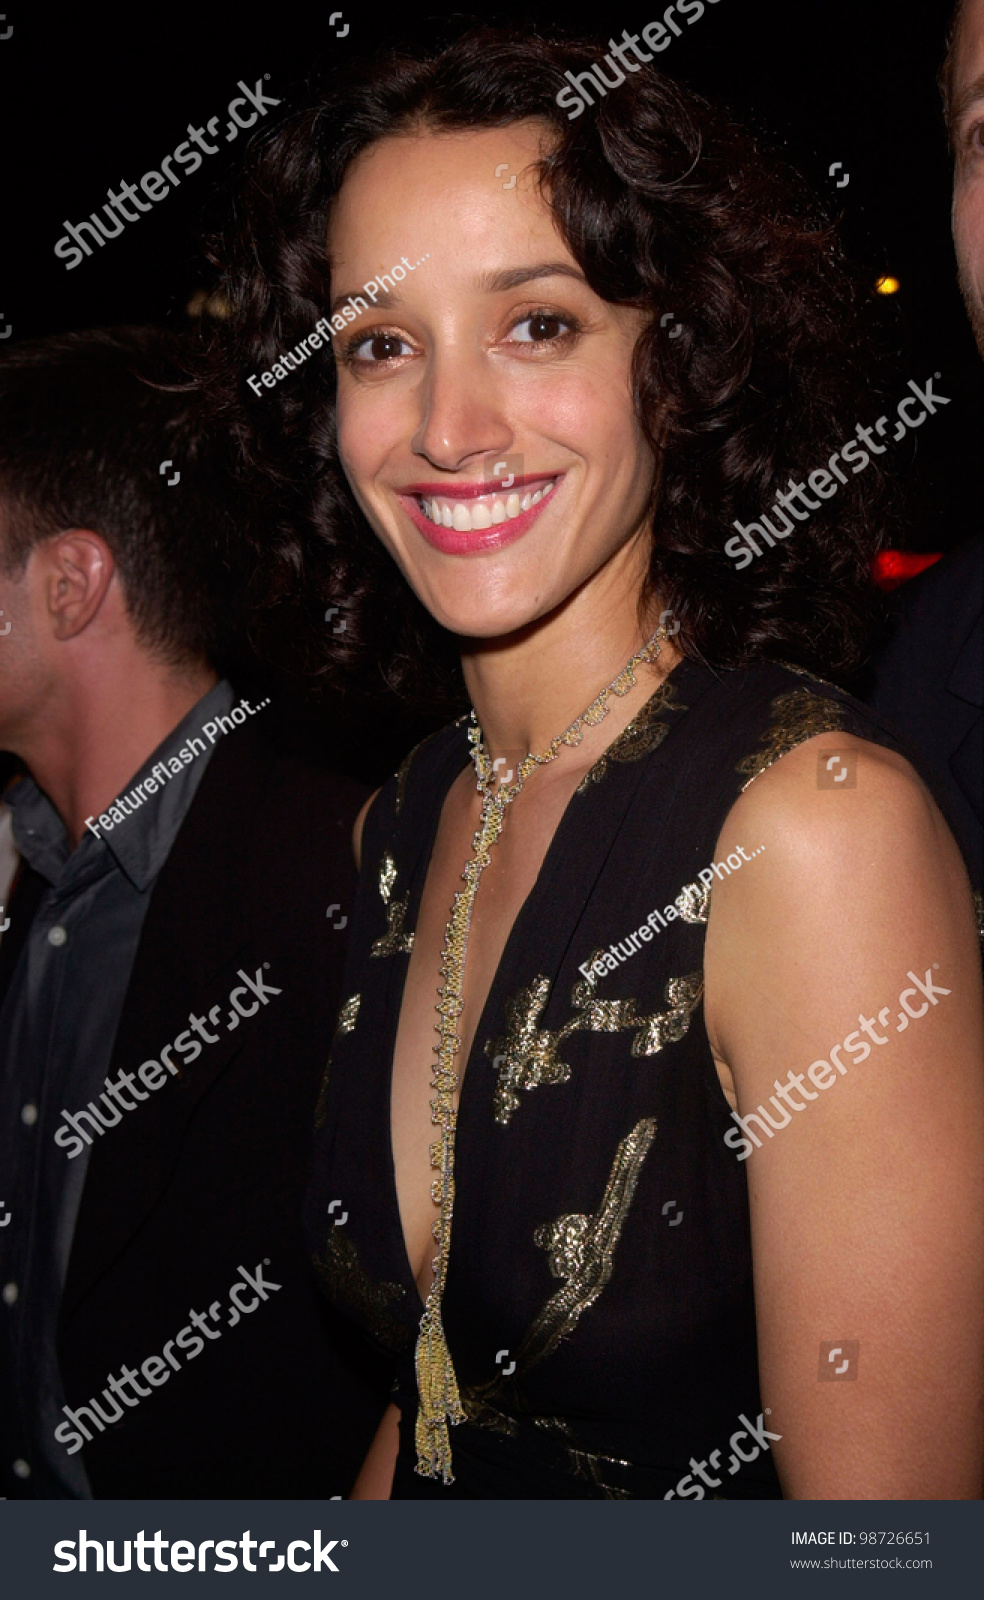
(474, 541)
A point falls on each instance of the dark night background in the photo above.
(90, 96)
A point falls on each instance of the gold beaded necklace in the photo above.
(439, 1399)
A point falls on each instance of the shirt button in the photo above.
(29, 1114)
(57, 935)
(21, 1468)
(10, 1293)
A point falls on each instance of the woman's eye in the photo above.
(379, 347)
(544, 327)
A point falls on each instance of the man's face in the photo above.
(967, 124)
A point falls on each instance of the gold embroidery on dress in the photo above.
(694, 902)
(402, 774)
(585, 1463)
(803, 672)
(387, 876)
(640, 737)
(347, 1281)
(394, 940)
(347, 1014)
(798, 714)
(482, 1415)
(582, 1463)
(526, 1056)
(670, 1026)
(581, 1249)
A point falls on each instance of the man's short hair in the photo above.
(87, 422)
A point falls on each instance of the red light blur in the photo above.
(891, 568)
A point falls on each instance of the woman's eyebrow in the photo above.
(489, 282)
(379, 301)
(513, 277)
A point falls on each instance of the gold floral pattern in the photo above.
(394, 940)
(387, 876)
(348, 1011)
(347, 1014)
(694, 902)
(640, 737)
(348, 1282)
(581, 1249)
(527, 1056)
(797, 715)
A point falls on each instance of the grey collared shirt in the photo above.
(57, 1029)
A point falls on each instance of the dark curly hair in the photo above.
(665, 202)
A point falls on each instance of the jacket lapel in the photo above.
(194, 941)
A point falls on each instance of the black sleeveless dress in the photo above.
(599, 1306)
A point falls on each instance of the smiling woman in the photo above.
(655, 200)
(517, 463)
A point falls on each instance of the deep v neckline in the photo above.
(420, 870)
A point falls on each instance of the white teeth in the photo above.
(485, 512)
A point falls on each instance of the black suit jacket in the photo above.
(929, 683)
(207, 1175)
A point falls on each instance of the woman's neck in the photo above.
(529, 688)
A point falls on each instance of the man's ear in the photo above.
(77, 568)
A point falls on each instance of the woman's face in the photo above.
(489, 360)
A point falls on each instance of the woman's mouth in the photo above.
(463, 518)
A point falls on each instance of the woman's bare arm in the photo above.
(357, 828)
(375, 1480)
(854, 924)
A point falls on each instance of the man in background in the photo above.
(929, 680)
(170, 974)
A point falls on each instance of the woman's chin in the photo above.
(485, 623)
